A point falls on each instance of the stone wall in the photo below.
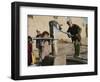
(42, 23)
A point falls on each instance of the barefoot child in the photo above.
(45, 45)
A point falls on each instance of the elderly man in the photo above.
(74, 30)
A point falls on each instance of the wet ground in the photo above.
(66, 53)
(64, 56)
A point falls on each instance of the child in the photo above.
(29, 50)
(38, 42)
(45, 45)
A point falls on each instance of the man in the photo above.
(74, 30)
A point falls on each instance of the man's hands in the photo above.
(69, 35)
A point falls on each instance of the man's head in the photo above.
(69, 23)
